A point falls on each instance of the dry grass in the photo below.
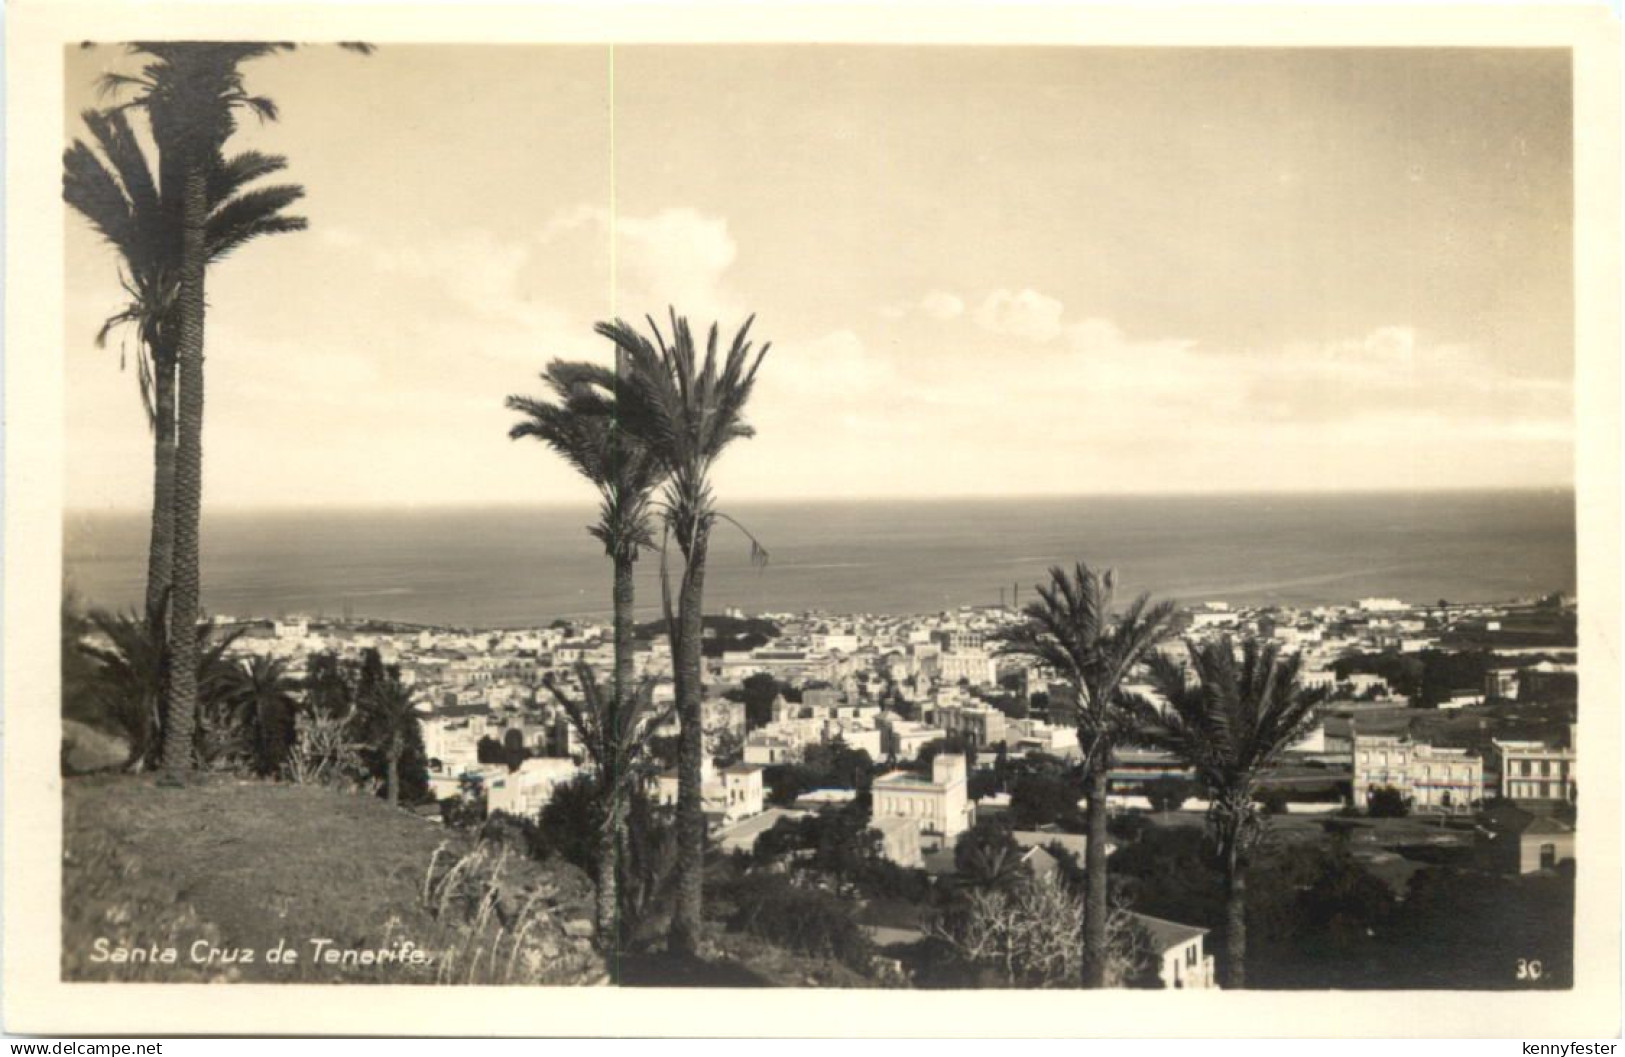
(251, 865)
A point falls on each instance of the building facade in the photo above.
(940, 805)
(1535, 771)
(1430, 778)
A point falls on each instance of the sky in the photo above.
(984, 271)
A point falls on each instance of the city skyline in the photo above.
(986, 272)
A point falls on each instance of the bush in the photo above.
(1127, 828)
(1273, 801)
(1169, 793)
(1039, 800)
(804, 920)
(1387, 802)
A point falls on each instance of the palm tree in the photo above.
(625, 475)
(191, 92)
(262, 689)
(131, 667)
(116, 191)
(391, 720)
(1231, 727)
(615, 729)
(1072, 630)
(686, 408)
(989, 858)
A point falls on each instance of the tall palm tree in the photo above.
(191, 92)
(616, 729)
(111, 184)
(686, 408)
(1231, 727)
(1072, 630)
(625, 474)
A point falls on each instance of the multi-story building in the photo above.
(971, 666)
(1501, 684)
(939, 804)
(730, 795)
(1533, 770)
(958, 640)
(904, 738)
(767, 750)
(1430, 778)
(978, 724)
(1547, 680)
(526, 791)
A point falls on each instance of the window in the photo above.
(1548, 856)
(1190, 955)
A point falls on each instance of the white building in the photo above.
(526, 791)
(1182, 963)
(1533, 770)
(1432, 779)
(939, 805)
(733, 794)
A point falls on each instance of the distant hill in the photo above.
(724, 634)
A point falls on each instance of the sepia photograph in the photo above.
(991, 516)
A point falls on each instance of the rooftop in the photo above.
(1166, 935)
(896, 778)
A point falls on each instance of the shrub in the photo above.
(804, 920)
(501, 923)
(1169, 793)
(1387, 802)
(1273, 801)
(323, 752)
(1031, 936)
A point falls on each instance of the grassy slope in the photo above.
(249, 864)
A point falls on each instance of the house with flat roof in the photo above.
(1430, 778)
(939, 805)
(1536, 771)
(732, 794)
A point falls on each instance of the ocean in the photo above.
(514, 567)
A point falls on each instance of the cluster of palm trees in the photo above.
(647, 434)
(1228, 717)
(170, 219)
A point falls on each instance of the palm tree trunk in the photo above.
(609, 903)
(611, 840)
(1235, 926)
(392, 779)
(161, 545)
(686, 915)
(186, 574)
(1094, 896)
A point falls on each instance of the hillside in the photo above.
(156, 878)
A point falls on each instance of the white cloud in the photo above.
(939, 304)
(1027, 314)
(836, 364)
(677, 256)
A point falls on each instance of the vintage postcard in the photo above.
(546, 517)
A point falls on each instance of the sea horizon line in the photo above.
(588, 503)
